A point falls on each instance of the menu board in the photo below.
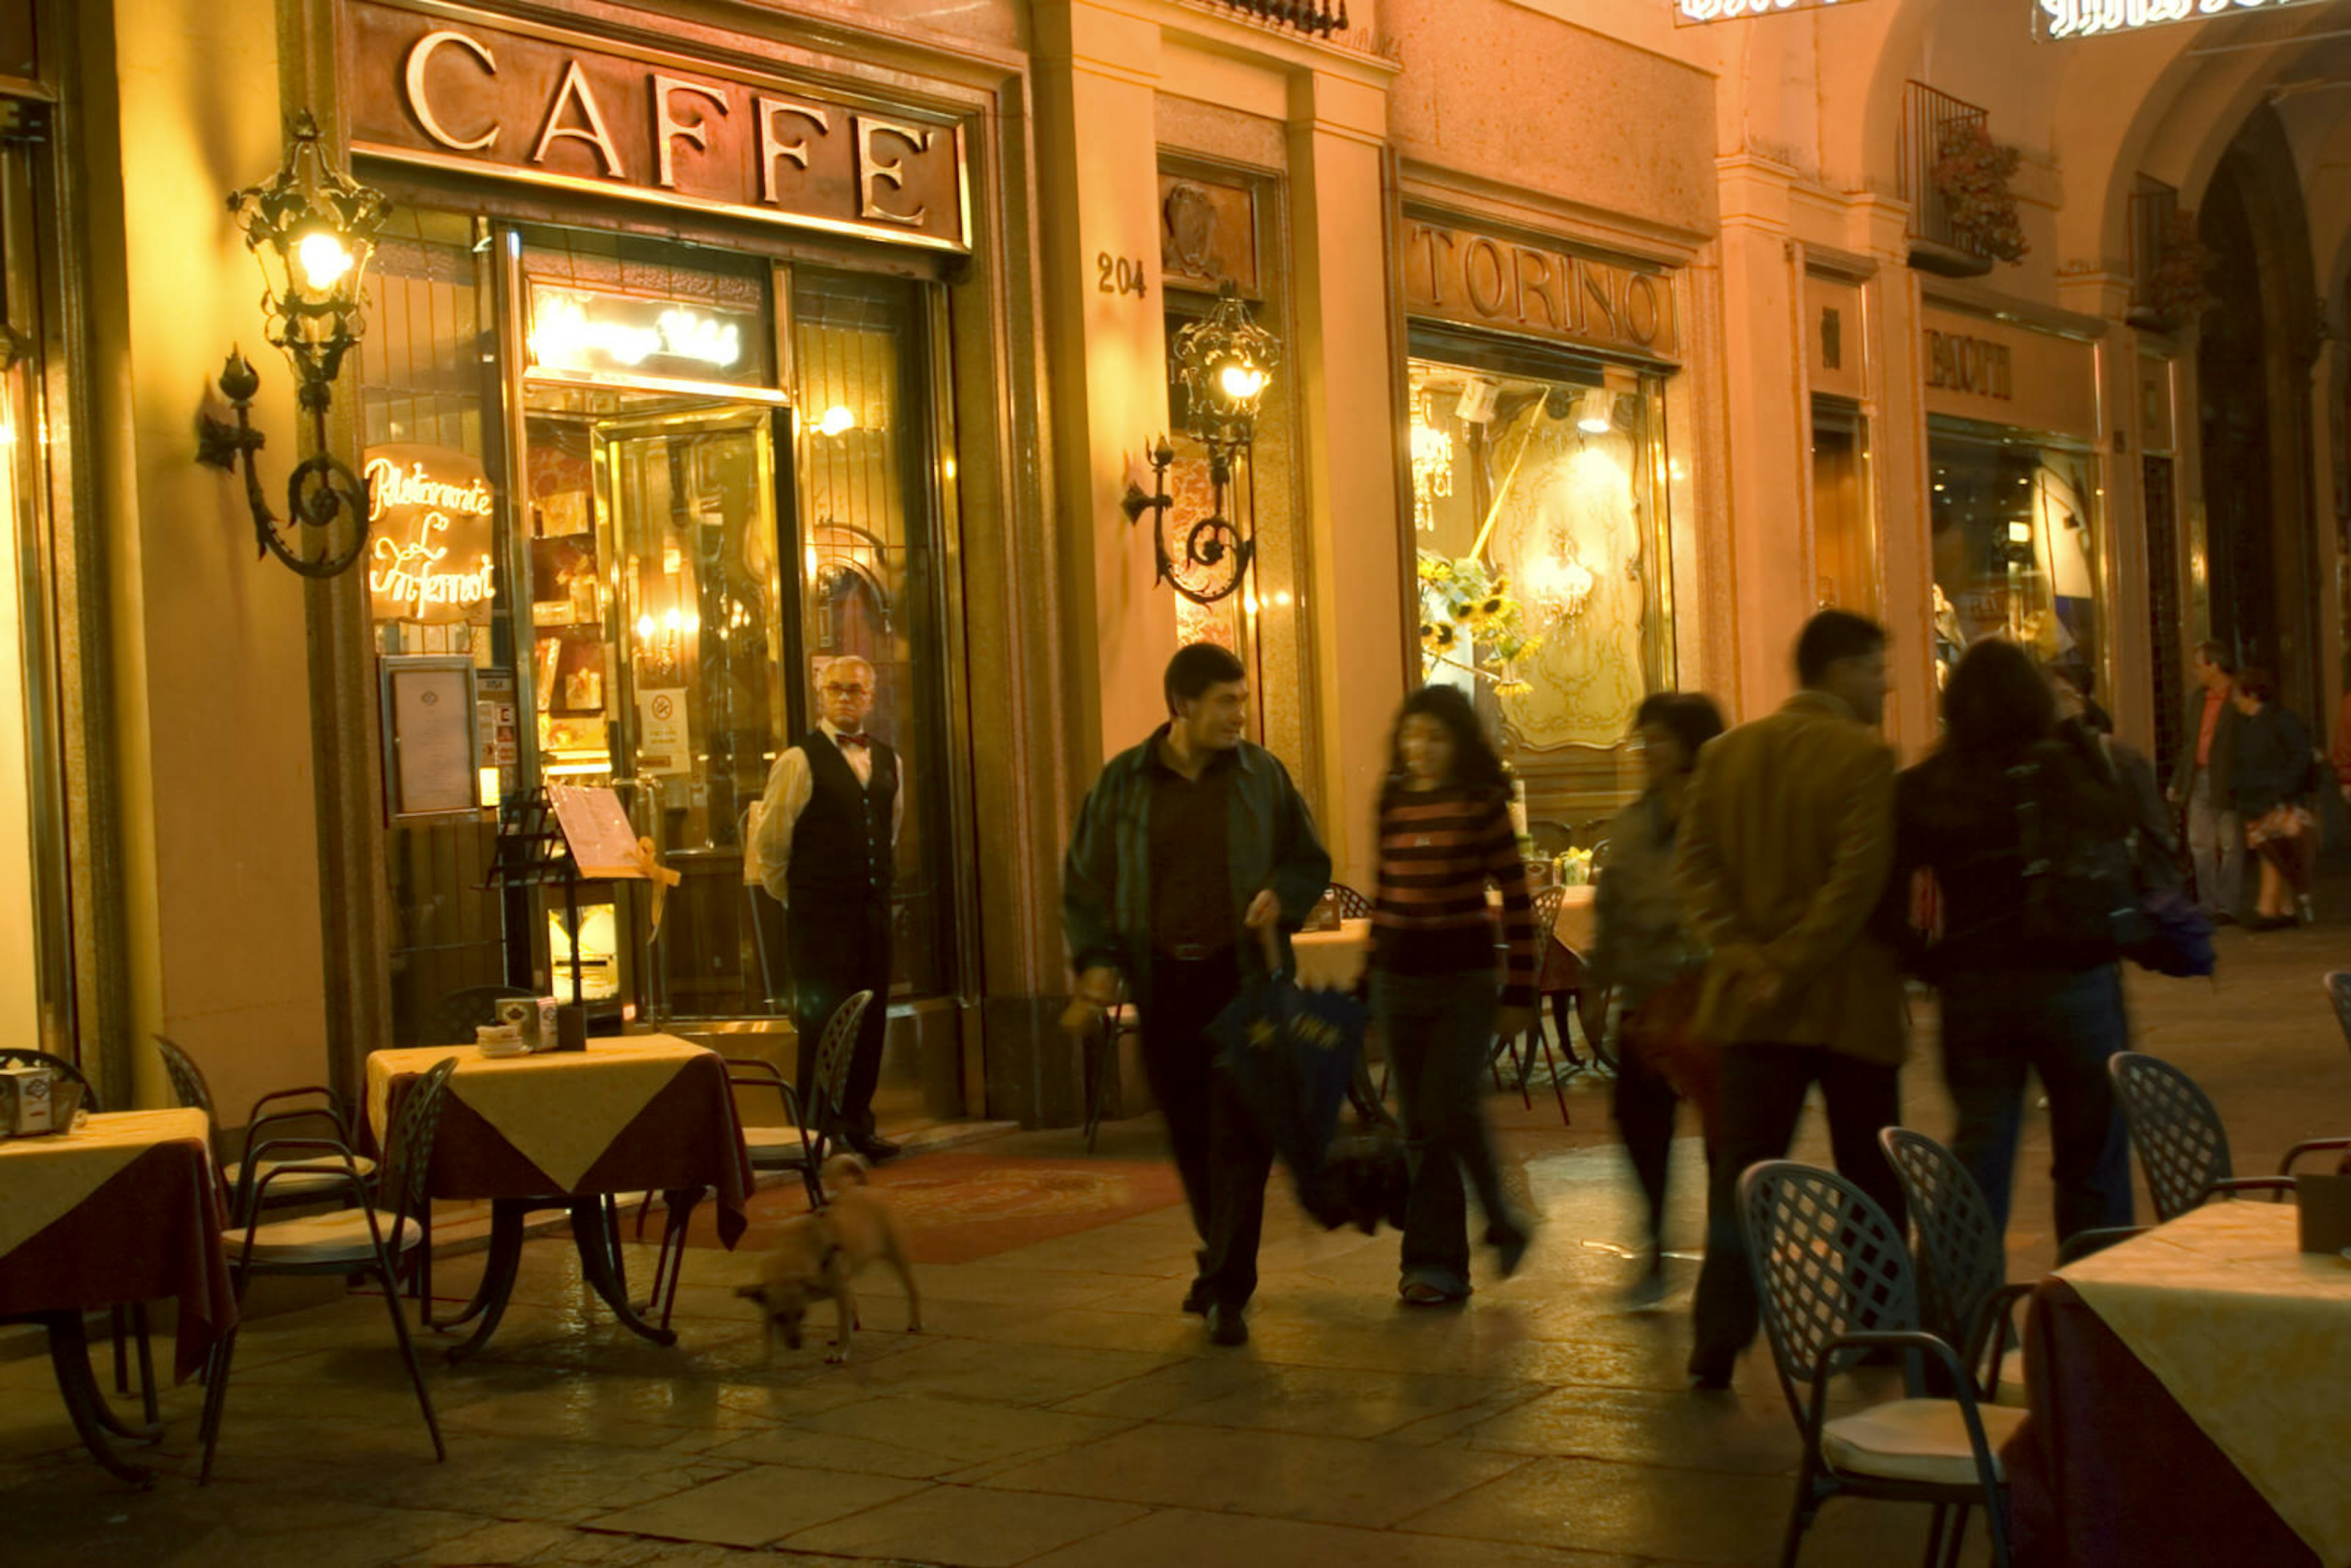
(597, 828)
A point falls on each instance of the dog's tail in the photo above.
(844, 1170)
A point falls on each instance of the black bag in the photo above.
(2178, 939)
(2082, 900)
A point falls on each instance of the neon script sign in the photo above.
(2061, 19)
(1692, 13)
(430, 509)
(584, 330)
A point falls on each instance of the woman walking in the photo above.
(1444, 835)
(2014, 999)
(1652, 963)
(2276, 788)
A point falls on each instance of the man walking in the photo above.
(1785, 846)
(2203, 782)
(1190, 846)
(827, 828)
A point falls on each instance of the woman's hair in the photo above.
(2257, 683)
(1476, 765)
(1690, 717)
(1998, 701)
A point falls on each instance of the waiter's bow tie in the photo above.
(861, 739)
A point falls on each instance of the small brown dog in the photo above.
(820, 1252)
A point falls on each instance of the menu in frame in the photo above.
(595, 827)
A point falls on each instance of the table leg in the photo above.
(497, 1275)
(84, 1403)
(591, 1232)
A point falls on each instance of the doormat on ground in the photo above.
(958, 1207)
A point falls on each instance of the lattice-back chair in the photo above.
(242, 1175)
(1835, 1284)
(798, 1143)
(2182, 1141)
(453, 1018)
(128, 1323)
(822, 1101)
(1964, 1295)
(1547, 903)
(1346, 902)
(2338, 991)
(363, 1239)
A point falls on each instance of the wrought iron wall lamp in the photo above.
(313, 228)
(1224, 363)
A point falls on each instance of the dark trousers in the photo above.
(836, 952)
(1763, 1090)
(2063, 1029)
(1223, 1159)
(1440, 1030)
(1644, 1105)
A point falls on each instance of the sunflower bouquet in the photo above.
(1468, 619)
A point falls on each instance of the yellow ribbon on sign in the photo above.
(660, 878)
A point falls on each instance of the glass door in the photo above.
(1845, 533)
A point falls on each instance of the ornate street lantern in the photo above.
(313, 228)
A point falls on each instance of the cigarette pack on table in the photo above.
(533, 1018)
(31, 1104)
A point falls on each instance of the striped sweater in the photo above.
(1438, 848)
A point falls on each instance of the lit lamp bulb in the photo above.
(324, 260)
(1241, 383)
(646, 628)
(1593, 415)
(837, 421)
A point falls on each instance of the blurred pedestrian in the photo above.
(1444, 835)
(1786, 843)
(2277, 788)
(1188, 848)
(1643, 953)
(2013, 1000)
(2204, 782)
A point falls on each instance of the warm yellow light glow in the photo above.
(645, 628)
(1282, 598)
(1241, 383)
(488, 777)
(2019, 533)
(324, 260)
(673, 621)
(1593, 414)
(837, 421)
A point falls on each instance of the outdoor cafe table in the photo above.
(567, 1130)
(2191, 1401)
(126, 1207)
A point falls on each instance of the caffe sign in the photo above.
(2056, 20)
(1474, 279)
(447, 89)
(429, 513)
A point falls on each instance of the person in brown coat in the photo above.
(1787, 840)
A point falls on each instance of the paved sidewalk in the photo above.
(1063, 1413)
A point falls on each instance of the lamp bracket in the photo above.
(321, 492)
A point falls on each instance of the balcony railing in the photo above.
(1928, 119)
(1315, 19)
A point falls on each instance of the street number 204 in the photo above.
(1119, 275)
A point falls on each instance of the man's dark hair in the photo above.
(1689, 717)
(1834, 635)
(1196, 667)
(2217, 655)
(2257, 683)
(1997, 703)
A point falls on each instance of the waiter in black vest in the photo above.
(828, 826)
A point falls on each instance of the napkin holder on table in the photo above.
(34, 1099)
(2324, 1203)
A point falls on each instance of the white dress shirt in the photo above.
(768, 844)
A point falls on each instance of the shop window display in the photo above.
(2015, 549)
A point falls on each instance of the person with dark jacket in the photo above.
(2275, 778)
(1189, 850)
(1445, 834)
(2203, 782)
(2013, 1000)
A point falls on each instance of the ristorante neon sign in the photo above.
(430, 558)
(1691, 13)
(2059, 19)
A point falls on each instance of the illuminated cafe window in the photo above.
(2015, 545)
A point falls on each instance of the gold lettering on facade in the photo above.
(1489, 300)
(669, 131)
(1978, 367)
(772, 146)
(871, 167)
(1484, 279)
(1430, 238)
(575, 91)
(419, 59)
(1535, 287)
(1644, 307)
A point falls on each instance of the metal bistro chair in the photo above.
(2338, 991)
(1835, 1283)
(1522, 1051)
(128, 1324)
(2182, 1141)
(359, 1241)
(1965, 1298)
(193, 1093)
(1346, 902)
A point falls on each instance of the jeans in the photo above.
(2063, 1028)
(1440, 1030)
(1763, 1090)
(1646, 1104)
(1220, 1155)
(2216, 843)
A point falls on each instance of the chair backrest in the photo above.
(1548, 903)
(1350, 903)
(1827, 1261)
(2175, 1128)
(188, 1085)
(2338, 991)
(11, 1056)
(453, 1019)
(408, 1145)
(824, 1100)
(1962, 1263)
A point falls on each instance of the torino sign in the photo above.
(2089, 18)
(1692, 13)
